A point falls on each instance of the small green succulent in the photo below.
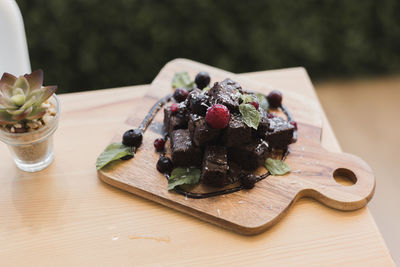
(21, 98)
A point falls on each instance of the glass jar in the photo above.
(33, 151)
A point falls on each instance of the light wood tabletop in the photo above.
(64, 215)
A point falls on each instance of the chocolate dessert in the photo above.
(219, 135)
(184, 152)
(215, 166)
(208, 130)
(279, 133)
(200, 132)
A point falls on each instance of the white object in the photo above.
(14, 57)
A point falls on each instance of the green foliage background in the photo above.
(92, 44)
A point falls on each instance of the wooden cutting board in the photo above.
(248, 211)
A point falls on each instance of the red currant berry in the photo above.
(218, 116)
(159, 144)
(271, 115)
(275, 99)
(294, 124)
(174, 108)
(255, 104)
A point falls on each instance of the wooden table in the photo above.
(65, 216)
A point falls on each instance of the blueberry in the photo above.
(248, 180)
(202, 79)
(275, 99)
(180, 94)
(164, 165)
(132, 138)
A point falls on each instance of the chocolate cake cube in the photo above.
(251, 155)
(236, 132)
(231, 86)
(280, 133)
(184, 152)
(200, 132)
(198, 102)
(215, 166)
(234, 172)
(175, 121)
(263, 126)
(226, 93)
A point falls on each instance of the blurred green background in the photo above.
(93, 44)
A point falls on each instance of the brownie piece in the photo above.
(200, 132)
(231, 86)
(263, 126)
(184, 152)
(236, 133)
(227, 93)
(234, 172)
(215, 166)
(280, 133)
(198, 102)
(179, 120)
(249, 156)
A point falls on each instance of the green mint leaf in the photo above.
(181, 176)
(113, 152)
(206, 89)
(182, 80)
(276, 167)
(247, 98)
(263, 102)
(251, 117)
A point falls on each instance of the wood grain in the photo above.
(65, 216)
(248, 211)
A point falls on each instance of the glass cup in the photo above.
(33, 151)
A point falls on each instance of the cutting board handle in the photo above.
(354, 194)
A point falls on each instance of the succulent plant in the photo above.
(21, 98)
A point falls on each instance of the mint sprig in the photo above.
(262, 101)
(251, 117)
(246, 98)
(181, 176)
(276, 167)
(182, 80)
(113, 152)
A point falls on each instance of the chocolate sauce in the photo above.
(153, 112)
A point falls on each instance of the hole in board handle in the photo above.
(344, 177)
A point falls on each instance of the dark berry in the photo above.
(255, 104)
(180, 94)
(218, 116)
(164, 165)
(294, 124)
(271, 115)
(159, 144)
(132, 137)
(275, 99)
(248, 181)
(127, 157)
(174, 108)
(202, 79)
